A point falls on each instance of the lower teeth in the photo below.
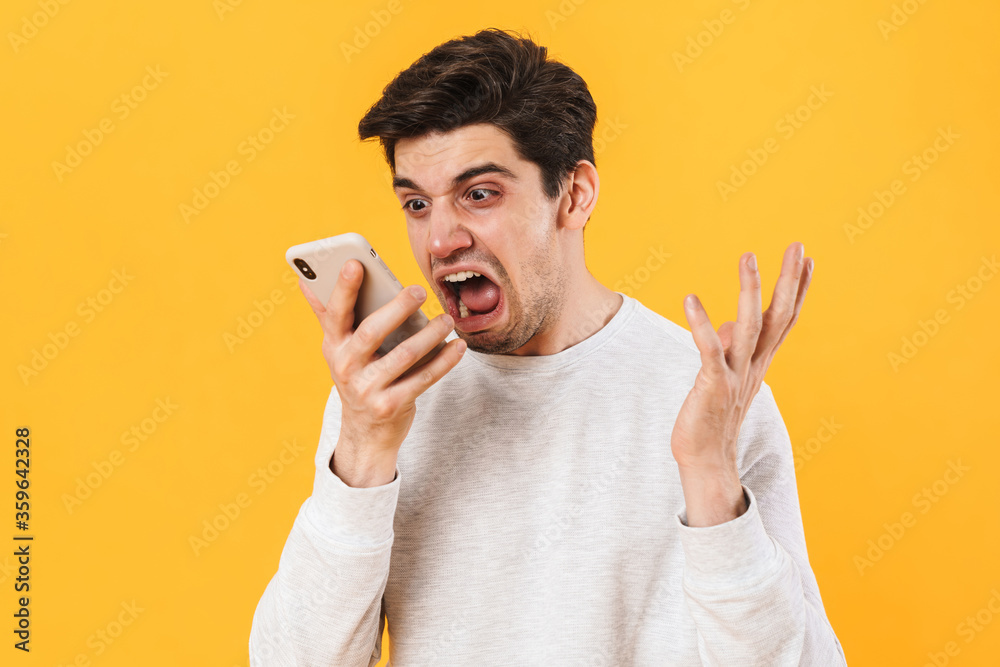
(463, 310)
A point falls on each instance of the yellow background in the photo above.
(671, 134)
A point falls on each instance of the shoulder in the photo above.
(661, 342)
(670, 343)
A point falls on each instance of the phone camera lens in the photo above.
(305, 269)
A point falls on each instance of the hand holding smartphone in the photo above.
(382, 351)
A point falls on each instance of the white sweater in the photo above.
(537, 518)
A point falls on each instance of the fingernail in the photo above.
(461, 345)
(690, 301)
(448, 322)
(417, 291)
(752, 262)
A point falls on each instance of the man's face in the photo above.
(472, 203)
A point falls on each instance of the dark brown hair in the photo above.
(496, 77)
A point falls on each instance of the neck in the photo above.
(587, 306)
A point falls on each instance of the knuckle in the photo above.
(339, 363)
(404, 357)
(368, 374)
(382, 406)
(365, 333)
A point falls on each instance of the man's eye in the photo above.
(484, 191)
(422, 203)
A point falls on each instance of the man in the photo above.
(589, 483)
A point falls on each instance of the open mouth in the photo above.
(474, 300)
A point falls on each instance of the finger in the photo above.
(749, 320)
(411, 350)
(417, 381)
(373, 329)
(712, 355)
(339, 317)
(779, 312)
(311, 299)
(800, 299)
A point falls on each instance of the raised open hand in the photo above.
(733, 363)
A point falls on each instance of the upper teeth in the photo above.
(460, 276)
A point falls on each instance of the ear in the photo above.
(580, 196)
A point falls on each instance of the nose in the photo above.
(446, 234)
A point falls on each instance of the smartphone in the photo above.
(319, 263)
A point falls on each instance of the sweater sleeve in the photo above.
(747, 582)
(324, 606)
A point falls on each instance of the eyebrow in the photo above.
(472, 172)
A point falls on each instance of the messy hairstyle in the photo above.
(495, 77)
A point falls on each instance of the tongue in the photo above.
(479, 294)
